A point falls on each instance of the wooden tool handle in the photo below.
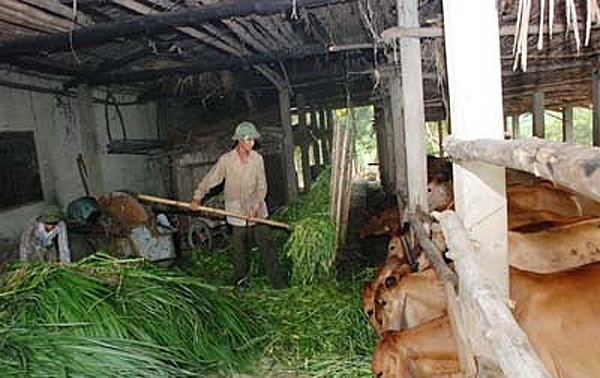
(187, 205)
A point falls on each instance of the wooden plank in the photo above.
(494, 321)
(474, 83)
(62, 10)
(413, 107)
(570, 165)
(537, 111)
(567, 124)
(596, 108)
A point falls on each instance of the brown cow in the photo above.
(559, 313)
(385, 222)
(428, 350)
(556, 248)
(420, 298)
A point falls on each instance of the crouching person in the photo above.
(40, 239)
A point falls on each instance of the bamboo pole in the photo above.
(187, 205)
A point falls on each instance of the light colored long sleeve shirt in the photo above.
(38, 244)
(245, 185)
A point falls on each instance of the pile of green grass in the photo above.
(317, 331)
(109, 318)
(310, 244)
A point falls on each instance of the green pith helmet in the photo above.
(51, 214)
(245, 130)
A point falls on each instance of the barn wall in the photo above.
(63, 128)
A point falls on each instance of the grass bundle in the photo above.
(105, 317)
(312, 241)
(318, 331)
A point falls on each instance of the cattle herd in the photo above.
(554, 254)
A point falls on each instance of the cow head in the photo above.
(407, 299)
(368, 304)
(390, 357)
(439, 195)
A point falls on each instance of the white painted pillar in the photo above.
(413, 106)
(475, 88)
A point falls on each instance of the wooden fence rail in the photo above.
(574, 166)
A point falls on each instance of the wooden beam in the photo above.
(151, 25)
(494, 321)
(567, 124)
(570, 165)
(413, 108)
(537, 110)
(232, 63)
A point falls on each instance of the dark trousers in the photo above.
(243, 239)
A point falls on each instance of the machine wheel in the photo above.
(199, 235)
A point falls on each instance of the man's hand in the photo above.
(195, 205)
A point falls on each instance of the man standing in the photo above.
(245, 190)
(38, 241)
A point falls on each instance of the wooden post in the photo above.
(596, 108)
(516, 126)
(567, 124)
(381, 145)
(88, 128)
(440, 132)
(537, 110)
(326, 147)
(330, 127)
(401, 179)
(390, 150)
(304, 143)
(288, 144)
(413, 106)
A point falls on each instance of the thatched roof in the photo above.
(197, 51)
